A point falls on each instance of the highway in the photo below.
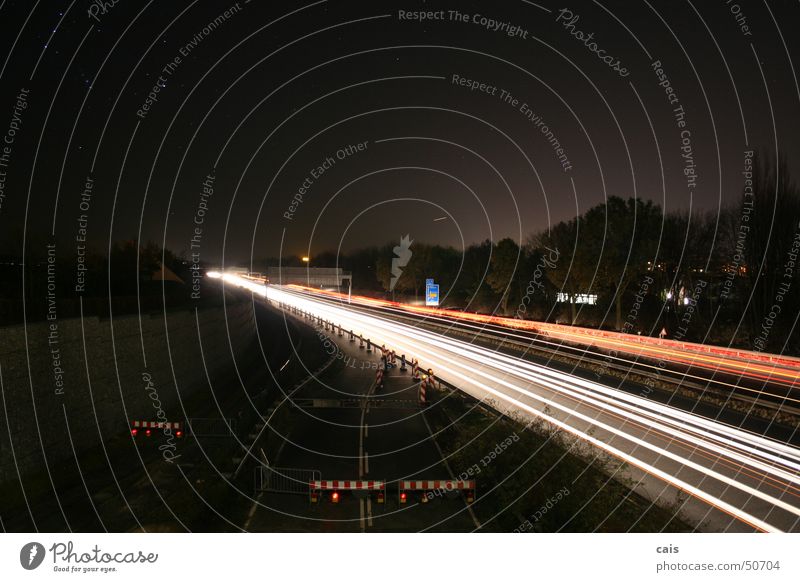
(770, 376)
(343, 427)
(735, 480)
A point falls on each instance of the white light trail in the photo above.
(655, 437)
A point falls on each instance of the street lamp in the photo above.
(306, 259)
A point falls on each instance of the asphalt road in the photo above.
(736, 481)
(345, 428)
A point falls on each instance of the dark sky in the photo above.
(264, 96)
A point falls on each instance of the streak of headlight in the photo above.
(682, 425)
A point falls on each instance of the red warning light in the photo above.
(147, 432)
(134, 431)
(335, 497)
(403, 497)
(179, 433)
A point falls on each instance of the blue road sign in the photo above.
(432, 295)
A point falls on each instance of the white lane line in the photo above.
(450, 471)
(369, 511)
(366, 462)
(366, 430)
(252, 512)
(362, 460)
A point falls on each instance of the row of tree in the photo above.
(707, 276)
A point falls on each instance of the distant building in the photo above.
(579, 298)
(309, 276)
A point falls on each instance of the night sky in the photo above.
(503, 117)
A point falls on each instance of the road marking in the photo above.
(252, 512)
(369, 511)
(366, 462)
(450, 471)
(363, 467)
(366, 430)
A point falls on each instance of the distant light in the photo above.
(306, 259)
(686, 301)
(335, 497)
(179, 433)
(147, 432)
(669, 294)
(134, 431)
(214, 274)
(403, 497)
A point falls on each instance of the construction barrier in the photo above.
(316, 487)
(148, 425)
(438, 485)
(431, 379)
